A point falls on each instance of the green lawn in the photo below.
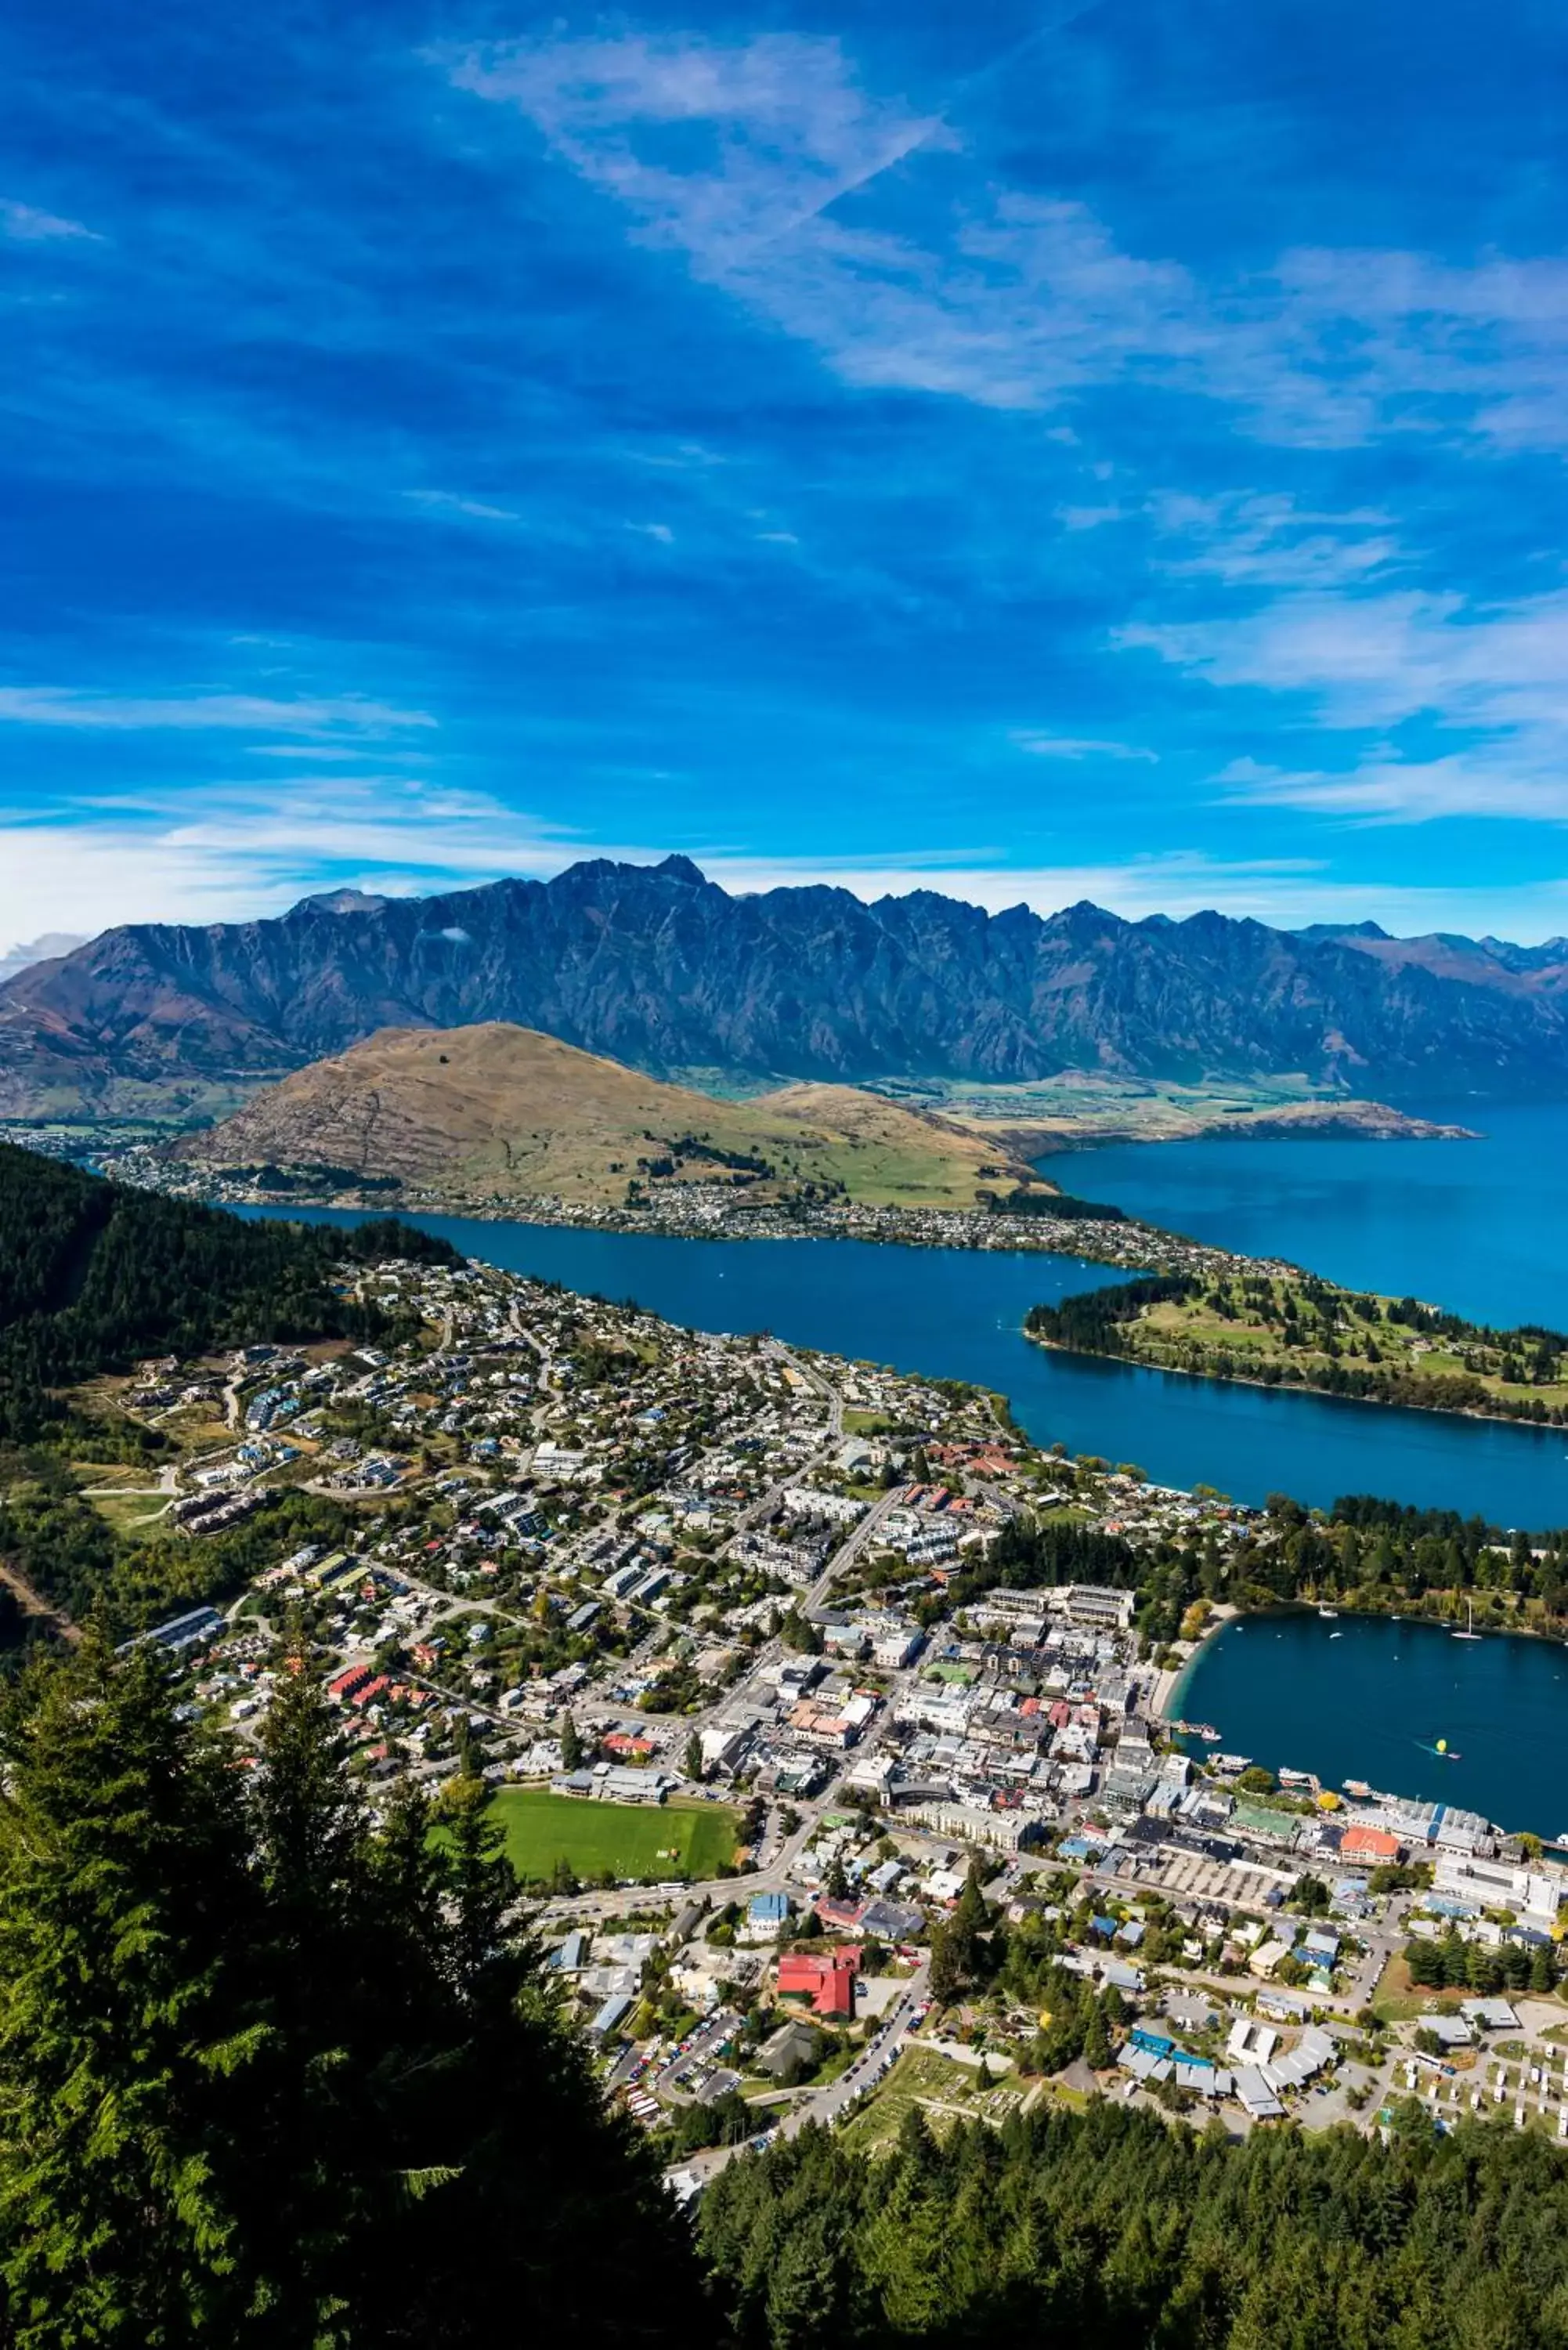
(657, 1840)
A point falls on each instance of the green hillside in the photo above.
(94, 1276)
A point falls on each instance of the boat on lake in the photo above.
(1328, 1614)
(1470, 1633)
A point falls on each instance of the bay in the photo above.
(958, 1314)
(1372, 1703)
(1478, 1227)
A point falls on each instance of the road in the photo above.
(589, 1909)
(827, 2106)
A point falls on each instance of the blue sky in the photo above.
(1039, 451)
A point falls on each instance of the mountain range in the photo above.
(662, 969)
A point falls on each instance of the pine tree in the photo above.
(124, 2027)
(275, 2078)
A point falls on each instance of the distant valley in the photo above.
(668, 974)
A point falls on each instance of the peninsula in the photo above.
(1277, 1326)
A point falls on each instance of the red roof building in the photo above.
(1368, 1844)
(827, 1982)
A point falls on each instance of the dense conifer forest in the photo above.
(94, 1276)
(1105, 2230)
(274, 2073)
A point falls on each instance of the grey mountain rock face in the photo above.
(661, 968)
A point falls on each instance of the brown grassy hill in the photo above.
(495, 1110)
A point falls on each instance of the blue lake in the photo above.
(1372, 1703)
(1479, 1227)
(958, 1314)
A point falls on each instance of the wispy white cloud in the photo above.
(1080, 747)
(26, 224)
(1376, 659)
(784, 130)
(657, 530)
(1256, 539)
(199, 713)
(237, 851)
(449, 501)
(1493, 679)
(1078, 518)
(759, 161)
(1523, 780)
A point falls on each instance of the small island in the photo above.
(1276, 1327)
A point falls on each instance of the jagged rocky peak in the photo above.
(657, 966)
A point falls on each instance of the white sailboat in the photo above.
(1470, 1633)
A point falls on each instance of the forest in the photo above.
(276, 2072)
(65, 1550)
(1059, 1205)
(1112, 2229)
(1091, 1323)
(94, 1276)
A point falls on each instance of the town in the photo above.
(683, 1208)
(830, 1725)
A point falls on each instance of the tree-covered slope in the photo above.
(277, 2076)
(94, 1276)
(1106, 2229)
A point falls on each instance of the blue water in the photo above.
(1371, 1704)
(1478, 1227)
(958, 1314)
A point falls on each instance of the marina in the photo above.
(1476, 1730)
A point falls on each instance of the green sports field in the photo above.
(657, 1840)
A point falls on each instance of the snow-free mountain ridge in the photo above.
(662, 969)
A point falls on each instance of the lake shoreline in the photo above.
(1168, 1698)
(1400, 1710)
(1150, 1247)
(958, 1315)
(1483, 1229)
(1303, 1388)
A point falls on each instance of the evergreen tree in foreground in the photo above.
(273, 2073)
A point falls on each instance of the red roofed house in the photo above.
(828, 1982)
(1368, 1844)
